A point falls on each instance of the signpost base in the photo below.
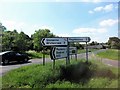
(43, 57)
(53, 64)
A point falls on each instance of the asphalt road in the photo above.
(6, 68)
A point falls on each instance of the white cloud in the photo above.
(106, 8)
(108, 22)
(89, 30)
(90, 12)
(97, 9)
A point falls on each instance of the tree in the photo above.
(38, 35)
(114, 43)
(93, 43)
(2, 28)
(12, 40)
(22, 42)
(6, 40)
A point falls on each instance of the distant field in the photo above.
(76, 75)
(110, 54)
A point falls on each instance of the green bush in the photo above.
(75, 72)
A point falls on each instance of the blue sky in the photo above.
(97, 20)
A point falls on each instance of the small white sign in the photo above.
(78, 39)
(72, 50)
(54, 41)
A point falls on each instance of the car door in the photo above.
(12, 56)
(18, 56)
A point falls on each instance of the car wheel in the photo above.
(6, 61)
(25, 60)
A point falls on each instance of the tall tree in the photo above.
(2, 28)
(12, 40)
(22, 42)
(114, 42)
(38, 35)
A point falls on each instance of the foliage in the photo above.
(114, 43)
(79, 72)
(38, 35)
(77, 45)
(34, 54)
(2, 28)
(94, 43)
(12, 40)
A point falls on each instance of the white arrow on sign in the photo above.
(61, 52)
(78, 39)
(58, 53)
(54, 41)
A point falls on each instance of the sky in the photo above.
(95, 19)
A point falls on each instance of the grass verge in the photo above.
(110, 54)
(34, 54)
(76, 75)
(83, 50)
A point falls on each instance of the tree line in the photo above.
(12, 40)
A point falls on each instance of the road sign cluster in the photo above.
(58, 51)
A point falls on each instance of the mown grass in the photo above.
(34, 54)
(0, 82)
(84, 50)
(76, 75)
(110, 54)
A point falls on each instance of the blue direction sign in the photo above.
(54, 41)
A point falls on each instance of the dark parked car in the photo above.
(9, 56)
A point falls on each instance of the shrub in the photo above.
(75, 72)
